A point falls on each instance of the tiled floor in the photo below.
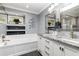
(34, 53)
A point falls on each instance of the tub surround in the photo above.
(19, 44)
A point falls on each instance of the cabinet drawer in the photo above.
(46, 47)
(49, 50)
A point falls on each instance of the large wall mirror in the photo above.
(70, 19)
(50, 22)
(68, 22)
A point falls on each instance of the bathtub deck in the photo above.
(19, 44)
(34, 53)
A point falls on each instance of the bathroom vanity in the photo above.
(49, 45)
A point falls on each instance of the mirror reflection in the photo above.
(70, 19)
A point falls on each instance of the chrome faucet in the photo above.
(3, 38)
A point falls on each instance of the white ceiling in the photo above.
(34, 8)
(73, 11)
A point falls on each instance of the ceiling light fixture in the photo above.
(27, 6)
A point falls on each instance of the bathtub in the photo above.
(18, 44)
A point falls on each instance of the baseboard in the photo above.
(22, 52)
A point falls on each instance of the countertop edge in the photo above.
(62, 41)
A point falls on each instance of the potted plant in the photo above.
(16, 21)
(49, 23)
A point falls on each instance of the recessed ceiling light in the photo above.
(27, 6)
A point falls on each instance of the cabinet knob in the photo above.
(60, 48)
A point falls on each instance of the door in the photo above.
(58, 51)
(69, 51)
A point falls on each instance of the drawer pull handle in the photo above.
(47, 53)
(60, 48)
(47, 41)
(47, 47)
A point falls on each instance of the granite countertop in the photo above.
(70, 41)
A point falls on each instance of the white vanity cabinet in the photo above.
(49, 48)
(70, 50)
(65, 50)
(55, 48)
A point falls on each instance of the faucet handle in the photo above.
(6, 40)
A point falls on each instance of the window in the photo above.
(15, 19)
(3, 18)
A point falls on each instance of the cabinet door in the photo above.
(39, 43)
(70, 50)
(70, 53)
(57, 49)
